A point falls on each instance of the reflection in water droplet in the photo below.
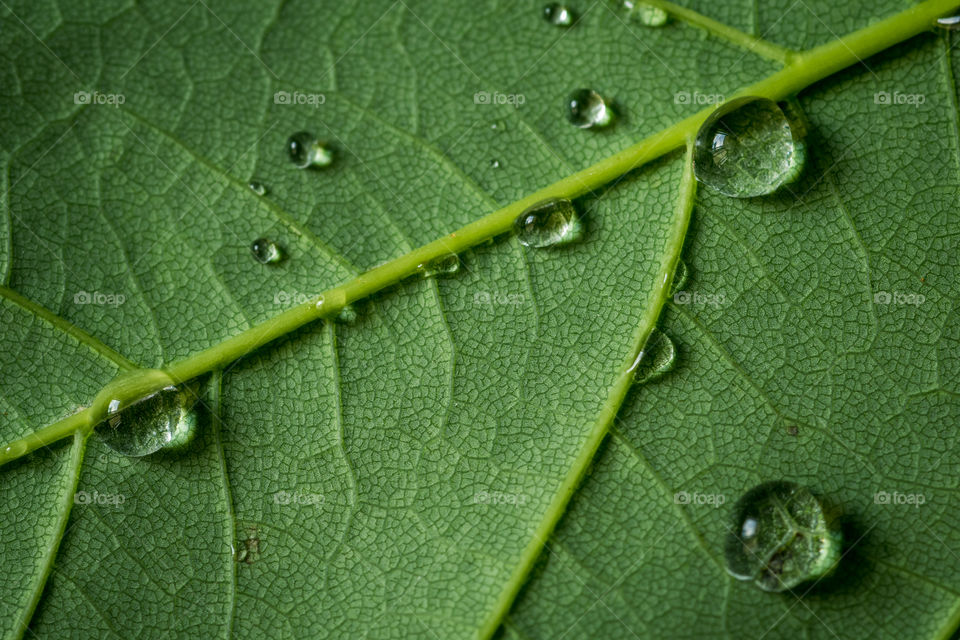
(258, 188)
(495, 164)
(646, 14)
(657, 358)
(949, 22)
(266, 251)
(748, 147)
(780, 537)
(162, 420)
(14, 450)
(548, 223)
(444, 265)
(586, 108)
(306, 151)
(558, 14)
(680, 277)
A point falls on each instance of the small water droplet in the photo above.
(258, 188)
(949, 22)
(657, 358)
(14, 450)
(558, 14)
(548, 223)
(494, 164)
(442, 266)
(347, 315)
(780, 536)
(747, 148)
(498, 126)
(680, 277)
(646, 14)
(162, 420)
(266, 251)
(306, 151)
(586, 108)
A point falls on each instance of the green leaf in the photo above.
(399, 476)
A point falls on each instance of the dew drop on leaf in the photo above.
(165, 419)
(646, 14)
(258, 188)
(747, 148)
(656, 359)
(306, 151)
(548, 223)
(949, 22)
(14, 450)
(266, 251)
(780, 536)
(494, 164)
(586, 108)
(558, 14)
(442, 266)
(680, 277)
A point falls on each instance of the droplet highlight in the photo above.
(587, 109)
(780, 537)
(258, 188)
(549, 223)
(748, 148)
(494, 164)
(558, 14)
(166, 419)
(646, 14)
(951, 23)
(442, 266)
(306, 151)
(656, 359)
(266, 251)
(680, 277)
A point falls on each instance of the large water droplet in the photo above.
(558, 14)
(646, 14)
(548, 223)
(748, 147)
(306, 151)
(780, 536)
(442, 266)
(162, 420)
(949, 22)
(258, 188)
(266, 251)
(586, 108)
(657, 357)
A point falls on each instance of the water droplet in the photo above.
(347, 315)
(258, 188)
(780, 537)
(657, 358)
(586, 108)
(442, 266)
(646, 14)
(949, 22)
(498, 126)
(558, 14)
(247, 550)
(162, 420)
(548, 223)
(266, 251)
(494, 164)
(748, 147)
(680, 277)
(306, 151)
(14, 450)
